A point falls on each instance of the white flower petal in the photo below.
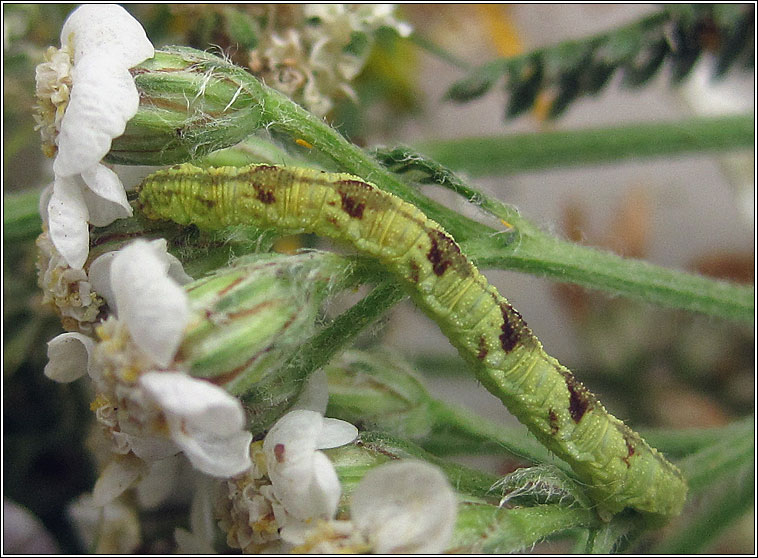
(218, 456)
(315, 393)
(67, 221)
(44, 200)
(303, 479)
(153, 306)
(117, 476)
(202, 520)
(101, 211)
(405, 507)
(325, 490)
(103, 98)
(176, 270)
(204, 406)
(106, 28)
(299, 429)
(336, 433)
(205, 421)
(107, 185)
(150, 448)
(69, 356)
(175, 267)
(295, 532)
(100, 278)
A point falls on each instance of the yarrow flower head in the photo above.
(290, 485)
(313, 55)
(403, 507)
(149, 408)
(86, 95)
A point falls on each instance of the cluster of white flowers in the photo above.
(127, 314)
(149, 408)
(310, 60)
(288, 499)
(86, 95)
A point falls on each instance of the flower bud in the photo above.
(378, 392)
(249, 319)
(191, 103)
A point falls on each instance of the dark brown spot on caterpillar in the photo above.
(207, 203)
(629, 450)
(579, 396)
(510, 335)
(414, 276)
(482, 354)
(437, 256)
(553, 417)
(351, 206)
(266, 196)
(279, 453)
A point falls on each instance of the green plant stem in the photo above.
(540, 254)
(438, 51)
(719, 461)
(486, 529)
(456, 430)
(728, 502)
(608, 538)
(282, 115)
(722, 478)
(536, 253)
(683, 442)
(514, 153)
(474, 484)
(260, 401)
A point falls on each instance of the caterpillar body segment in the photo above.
(620, 469)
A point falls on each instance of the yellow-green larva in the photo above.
(620, 469)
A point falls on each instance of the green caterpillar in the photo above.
(621, 470)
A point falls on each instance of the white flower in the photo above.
(402, 507)
(405, 507)
(150, 410)
(290, 485)
(86, 96)
(141, 283)
(303, 478)
(307, 59)
(67, 290)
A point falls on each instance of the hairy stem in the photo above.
(540, 254)
(514, 153)
(317, 352)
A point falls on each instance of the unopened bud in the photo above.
(250, 318)
(378, 392)
(191, 103)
